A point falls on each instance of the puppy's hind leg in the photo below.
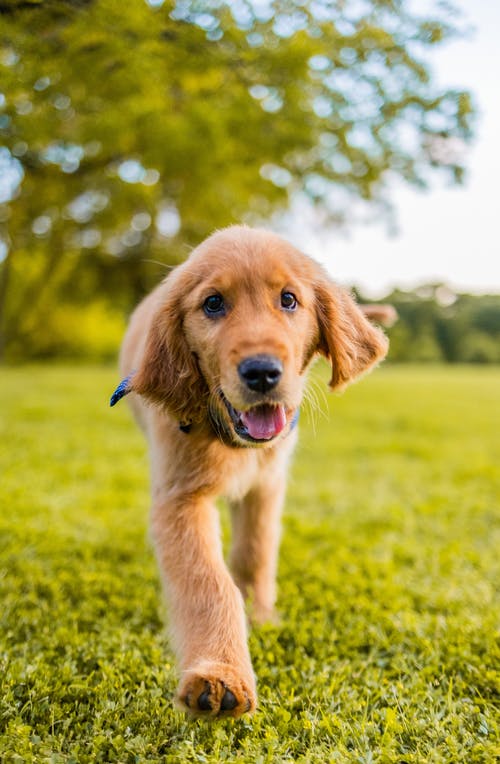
(256, 521)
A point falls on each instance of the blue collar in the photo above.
(295, 420)
(124, 389)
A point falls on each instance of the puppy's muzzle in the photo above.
(260, 373)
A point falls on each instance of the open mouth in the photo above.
(260, 423)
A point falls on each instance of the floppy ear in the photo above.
(349, 341)
(168, 373)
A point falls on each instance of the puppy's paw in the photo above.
(216, 690)
(260, 615)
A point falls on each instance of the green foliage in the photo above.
(388, 648)
(129, 132)
(480, 347)
(74, 331)
(435, 324)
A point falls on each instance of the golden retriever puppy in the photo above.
(216, 359)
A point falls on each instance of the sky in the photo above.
(445, 234)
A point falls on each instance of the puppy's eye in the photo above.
(288, 301)
(214, 305)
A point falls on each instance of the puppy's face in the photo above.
(240, 322)
(251, 322)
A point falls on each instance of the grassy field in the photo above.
(388, 649)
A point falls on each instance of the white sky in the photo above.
(446, 234)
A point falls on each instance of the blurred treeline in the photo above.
(129, 131)
(437, 324)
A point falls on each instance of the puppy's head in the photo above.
(236, 330)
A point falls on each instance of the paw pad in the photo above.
(204, 700)
(228, 702)
(217, 692)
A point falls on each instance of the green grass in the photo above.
(388, 649)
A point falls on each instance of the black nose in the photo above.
(260, 372)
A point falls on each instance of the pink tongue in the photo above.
(264, 422)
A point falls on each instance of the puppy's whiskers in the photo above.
(315, 403)
(166, 266)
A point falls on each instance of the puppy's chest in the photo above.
(251, 467)
(241, 473)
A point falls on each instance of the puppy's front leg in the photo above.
(206, 609)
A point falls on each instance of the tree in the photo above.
(437, 324)
(133, 130)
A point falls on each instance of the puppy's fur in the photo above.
(214, 428)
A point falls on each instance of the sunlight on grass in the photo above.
(388, 648)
